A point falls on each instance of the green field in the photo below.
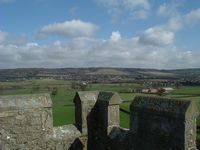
(63, 106)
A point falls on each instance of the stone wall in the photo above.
(26, 123)
(161, 123)
(155, 123)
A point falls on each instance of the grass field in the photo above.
(63, 106)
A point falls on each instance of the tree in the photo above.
(83, 86)
(177, 85)
(74, 85)
(161, 91)
(54, 91)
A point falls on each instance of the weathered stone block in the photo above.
(108, 103)
(84, 103)
(25, 121)
(161, 123)
(63, 137)
(102, 119)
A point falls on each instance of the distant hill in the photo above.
(98, 74)
(108, 71)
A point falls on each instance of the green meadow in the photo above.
(63, 106)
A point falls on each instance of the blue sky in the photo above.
(100, 33)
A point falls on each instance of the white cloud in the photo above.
(193, 17)
(32, 45)
(115, 36)
(73, 28)
(169, 9)
(175, 23)
(163, 10)
(165, 34)
(3, 36)
(162, 34)
(6, 38)
(157, 36)
(57, 43)
(134, 9)
(90, 52)
(133, 4)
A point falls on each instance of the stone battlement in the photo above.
(26, 122)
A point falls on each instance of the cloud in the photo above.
(193, 17)
(162, 34)
(116, 36)
(92, 52)
(7, 38)
(134, 9)
(169, 9)
(3, 36)
(165, 34)
(73, 28)
(157, 36)
(131, 5)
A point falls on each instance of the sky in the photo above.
(160, 34)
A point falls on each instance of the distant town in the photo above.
(151, 77)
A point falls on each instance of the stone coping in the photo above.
(25, 101)
(65, 132)
(86, 96)
(159, 104)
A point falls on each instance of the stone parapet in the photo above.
(156, 123)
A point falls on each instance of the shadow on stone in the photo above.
(120, 139)
(93, 129)
(77, 145)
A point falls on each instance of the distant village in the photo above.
(151, 80)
